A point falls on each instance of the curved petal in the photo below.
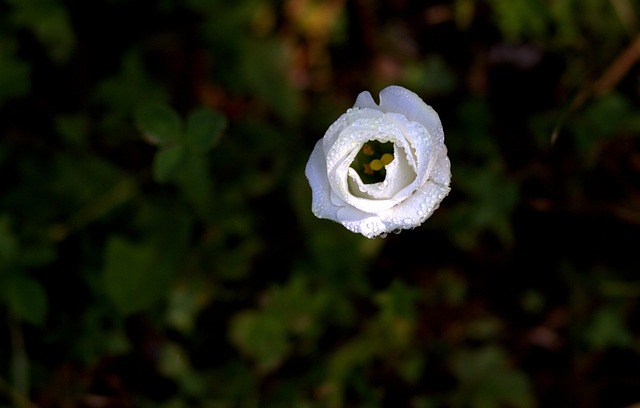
(415, 209)
(365, 100)
(399, 175)
(365, 118)
(343, 152)
(369, 225)
(316, 172)
(401, 100)
(441, 173)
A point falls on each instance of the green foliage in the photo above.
(607, 329)
(48, 21)
(25, 298)
(486, 380)
(168, 161)
(178, 144)
(14, 73)
(132, 276)
(204, 129)
(159, 123)
(520, 19)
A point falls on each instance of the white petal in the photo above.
(442, 168)
(415, 209)
(369, 225)
(365, 100)
(316, 172)
(399, 176)
(401, 100)
(343, 152)
(365, 118)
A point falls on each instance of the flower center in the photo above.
(371, 160)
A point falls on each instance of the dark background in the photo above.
(157, 247)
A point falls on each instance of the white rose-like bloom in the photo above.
(416, 181)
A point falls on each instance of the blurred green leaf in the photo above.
(520, 19)
(607, 328)
(605, 119)
(492, 196)
(204, 129)
(25, 297)
(262, 336)
(130, 89)
(430, 77)
(174, 363)
(15, 75)
(399, 300)
(160, 124)
(129, 275)
(186, 300)
(50, 23)
(168, 161)
(197, 184)
(73, 128)
(263, 66)
(487, 381)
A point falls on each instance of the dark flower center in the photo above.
(371, 160)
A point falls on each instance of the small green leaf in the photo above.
(160, 124)
(261, 336)
(25, 297)
(15, 78)
(204, 128)
(167, 162)
(49, 22)
(608, 329)
(129, 275)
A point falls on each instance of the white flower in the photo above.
(417, 174)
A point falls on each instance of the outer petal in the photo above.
(416, 209)
(369, 225)
(410, 213)
(316, 172)
(401, 100)
(346, 120)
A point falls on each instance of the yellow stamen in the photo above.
(386, 158)
(376, 165)
(367, 149)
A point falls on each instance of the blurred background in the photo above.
(157, 247)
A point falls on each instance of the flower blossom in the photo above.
(381, 168)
